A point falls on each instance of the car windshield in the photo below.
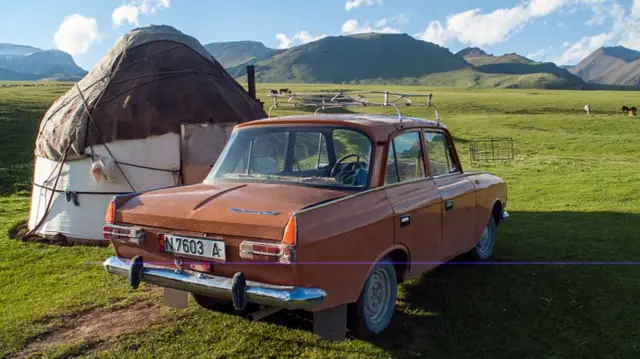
(325, 156)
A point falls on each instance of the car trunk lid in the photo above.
(251, 210)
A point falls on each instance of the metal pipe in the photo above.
(257, 315)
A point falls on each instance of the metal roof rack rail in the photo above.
(343, 99)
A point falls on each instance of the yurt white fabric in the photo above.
(154, 113)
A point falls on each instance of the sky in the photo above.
(561, 31)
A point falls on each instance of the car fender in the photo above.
(401, 247)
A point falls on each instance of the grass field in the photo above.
(574, 197)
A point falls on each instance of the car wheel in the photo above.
(484, 249)
(373, 311)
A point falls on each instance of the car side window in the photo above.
(441, 159)
(405, 158)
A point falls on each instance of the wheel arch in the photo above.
(496, 211)
(400, 259)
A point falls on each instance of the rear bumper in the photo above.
(286, 297)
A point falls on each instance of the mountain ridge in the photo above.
(336, 59)
(28, 63)
(236, 53)
(615, 65)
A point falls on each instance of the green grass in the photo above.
(574, 196)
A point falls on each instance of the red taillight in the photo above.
(161, 241)
(110, 216)
(265, 252)
(123, 233)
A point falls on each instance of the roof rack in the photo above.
(343, 99)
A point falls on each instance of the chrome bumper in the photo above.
(285, 297)
(505, 214)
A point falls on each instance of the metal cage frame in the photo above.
(344, 99)
(493, 150)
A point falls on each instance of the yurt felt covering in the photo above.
(154, 79)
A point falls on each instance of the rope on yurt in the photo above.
(86, 107)
(77, 192)
(114, 68)
(55, 184)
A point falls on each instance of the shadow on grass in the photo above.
(583, 305)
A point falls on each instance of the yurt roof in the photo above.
(151, 81)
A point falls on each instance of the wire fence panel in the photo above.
(487, 150)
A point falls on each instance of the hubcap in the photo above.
(485, 241)
(378, 295)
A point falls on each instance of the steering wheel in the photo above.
(343, 171)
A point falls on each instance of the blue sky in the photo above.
(563, 31)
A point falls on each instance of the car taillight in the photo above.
(161, 241)
(125, 234)
(290, 235)
(266, 252)
(110, 216)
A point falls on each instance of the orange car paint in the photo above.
(340, 239)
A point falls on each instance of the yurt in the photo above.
(155, 112)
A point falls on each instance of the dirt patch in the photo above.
(96, 326)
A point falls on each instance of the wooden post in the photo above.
(251, 79)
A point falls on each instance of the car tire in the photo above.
(487, 242)
(373, 311)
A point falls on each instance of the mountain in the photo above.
(12, 49)
(610, 65)
(338, 59)
(19, 62)
(627, 74)
(237, 53)
(471, 52)
(480, 60)
(514, 64)
(8, 75)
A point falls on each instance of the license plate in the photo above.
(207, 248)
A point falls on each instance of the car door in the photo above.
(415, 201)
(457, 192)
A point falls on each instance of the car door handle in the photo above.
(405, 220)
(448, 205)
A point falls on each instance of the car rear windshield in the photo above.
(325, 156)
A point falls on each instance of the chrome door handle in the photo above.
(448, 205)
(405, 220)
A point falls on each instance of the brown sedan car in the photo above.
(325, 213)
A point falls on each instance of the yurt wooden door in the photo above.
(201, 145)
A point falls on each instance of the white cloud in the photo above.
(435, 33)
(545, 7)
(76, 34)
(150, 6)
(303, 37)
(352, 26)
(625, 31)
(635, 9)
(541, 55)
(566, 44)
(476, 28)
(582, 48)
(403, 18)
(125, 13)
(598, 18)
(130, 12)
(353, 4)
